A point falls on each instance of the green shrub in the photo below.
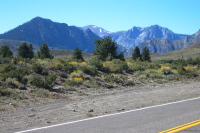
(181, 70)
(116, 66)
(180, 62)
(63, 75)
(90, 70)
(4, 92)
(94, 61)
(142, 66)
(107, 77)
(167, 61)
(69, 68)
(43, 82)
(7, 67)
(50, 79)
(73, 82)
(37, 68)
(19, 73)
(37, 81)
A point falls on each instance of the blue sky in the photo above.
(180, 16)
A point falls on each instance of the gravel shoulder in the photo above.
(46, 112)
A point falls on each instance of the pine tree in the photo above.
(145, 54)
(77, 55)
(44, 52)
(106, 49)
(136, 54)
(5, 51)
(25, 51)
(31, 52)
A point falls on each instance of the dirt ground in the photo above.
(46, 112)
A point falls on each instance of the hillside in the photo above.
(67, 54)
(14, 44)
(159, 45)
(192, 51)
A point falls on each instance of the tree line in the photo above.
(26, 51)
(106, 50)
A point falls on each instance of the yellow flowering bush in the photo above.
(76, 74)
(83, 63)
(73, 62)
(78, 79)
(165, 67)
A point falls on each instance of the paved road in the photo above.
(147, 120)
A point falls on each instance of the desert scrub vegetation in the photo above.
(41, 75)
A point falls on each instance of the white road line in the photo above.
(108, 115)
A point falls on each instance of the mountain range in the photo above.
(61, 36)
(137, 35)
(158, 45)
(56, 35)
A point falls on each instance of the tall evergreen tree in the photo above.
(106, 49)
(31, 52)
(136, 54)
(44, 52)
(145, 54)
(77, 55)
(5, 51)
(25, 50)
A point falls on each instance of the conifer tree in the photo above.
(31, 52)
(136, 54)
(25, 51)
(106, 49)
(145, 54)
(77, 55)
(44, 52)
(5, 51)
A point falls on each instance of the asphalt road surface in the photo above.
(145, 120)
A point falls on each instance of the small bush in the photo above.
(37, 81)
(181, 70)
(76, 74)
(74, 82)
(49, 80)
(7, 68)
(142, 66)
(116, 66)
(63, 75)
(43, 82)
(179, 62)
(19, 73)
(90, 70)
(94, 61)
(4, 92)
(37, 68)
(69, 68)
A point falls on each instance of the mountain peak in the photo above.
(36, 19)
(97, 30)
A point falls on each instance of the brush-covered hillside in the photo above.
(192, 51)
